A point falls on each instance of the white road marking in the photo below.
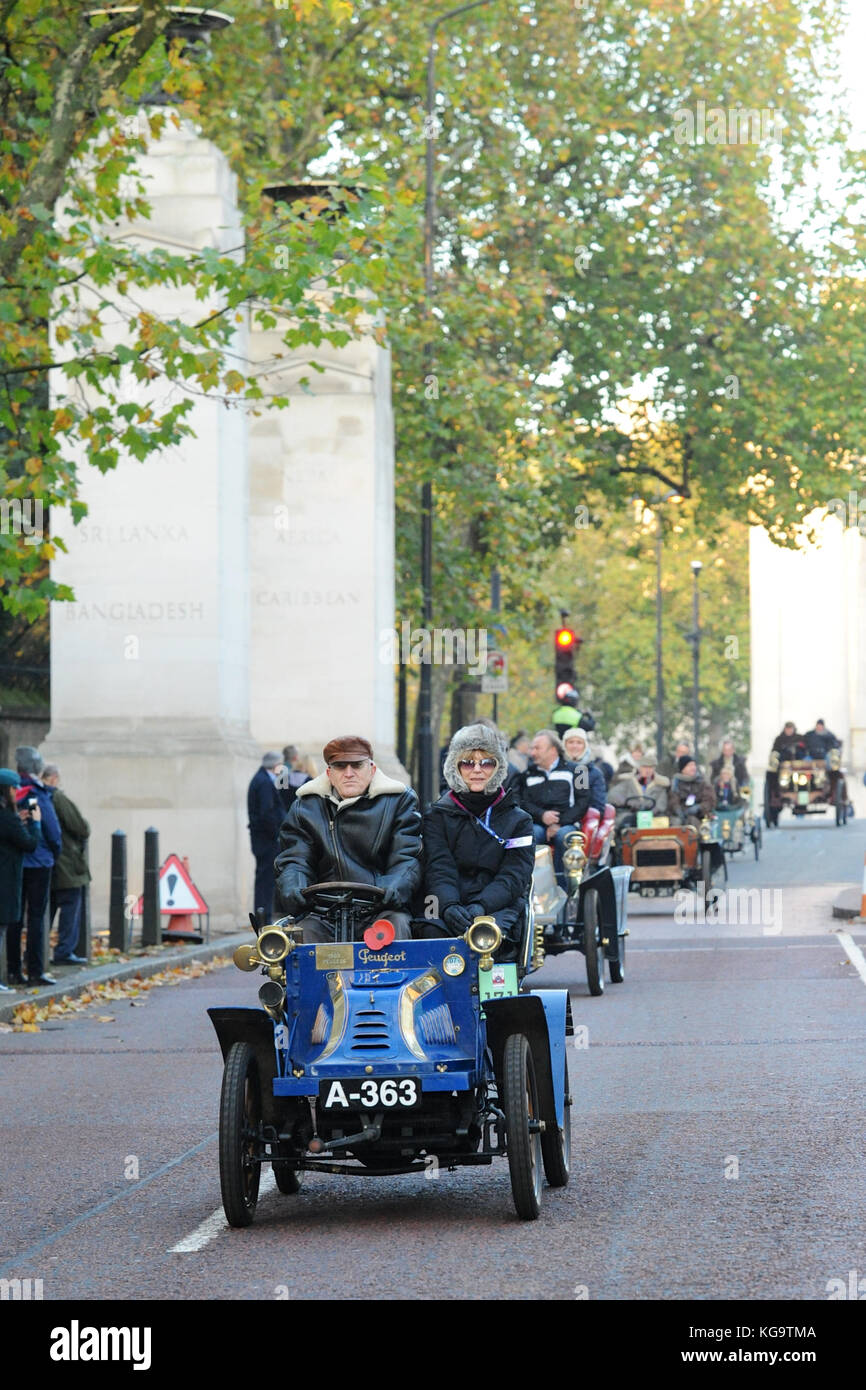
(855, 955)
(215, 1224)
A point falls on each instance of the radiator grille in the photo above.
(655, 858)
(370, 1031)
(437, 1025)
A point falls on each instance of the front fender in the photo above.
(251, 1026)
(545, 1018)
(605, 886)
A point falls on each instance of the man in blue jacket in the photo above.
(35, 878)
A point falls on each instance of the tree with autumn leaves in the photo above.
(618, 310)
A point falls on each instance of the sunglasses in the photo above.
(341, 764)
(486, 763)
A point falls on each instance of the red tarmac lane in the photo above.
(718, 1126)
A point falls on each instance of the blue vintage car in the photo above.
(381, 1057)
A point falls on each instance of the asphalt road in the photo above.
(718, 1127)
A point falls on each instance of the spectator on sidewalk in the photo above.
(71, 874)
(293, 775)
(36, 876)
(20, 833)
(266, 815)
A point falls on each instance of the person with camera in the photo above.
(20, 833)
(36, 875)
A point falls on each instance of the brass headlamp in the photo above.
(274, 945)
(574, 855)
(484, 937)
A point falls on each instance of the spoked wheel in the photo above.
(288, 1180)
(520, 1103)
(240, 1113)
(556, 1144)
(616, 965)
(592, 947)
(841, 802)
(757, 838)
(706, 875)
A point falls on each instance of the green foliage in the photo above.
(605, 578)
(72, 134)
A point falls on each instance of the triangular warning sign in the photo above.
(177, 892)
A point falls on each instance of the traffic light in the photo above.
(565, 645)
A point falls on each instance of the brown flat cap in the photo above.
(348, 746)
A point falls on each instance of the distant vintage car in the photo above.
(664, 857)
(735, 826)
(806, 786)
(589, 916)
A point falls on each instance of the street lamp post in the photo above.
(660, 680)
(695, 639)
(654, 504)
(426, 768)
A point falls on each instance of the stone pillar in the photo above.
(149, 667)
(807, 641)
(322, 548)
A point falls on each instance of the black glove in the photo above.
(293, 904)
(457, 917)
(586, 722)
(476, 910)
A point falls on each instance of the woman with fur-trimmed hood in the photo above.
(479, 852)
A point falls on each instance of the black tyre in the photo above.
(706, 875)
(287, 1179)
(841, 803)
(757, 839)
(616, 965)
(556, 1145)
(520, 1103)
(592, 947)
(240, 1113)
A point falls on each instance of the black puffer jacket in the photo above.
(555, 790)
(374, 838)
(465, 864)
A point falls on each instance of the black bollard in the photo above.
(118, 935)
(150, 926)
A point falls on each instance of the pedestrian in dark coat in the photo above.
(352, 824)
(290, 777)
(36, 875)
(266, 814)
(20, 833)
(479, 850)
(71, 872)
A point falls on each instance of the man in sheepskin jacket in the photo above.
(352, 824)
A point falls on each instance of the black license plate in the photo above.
(366, 1093)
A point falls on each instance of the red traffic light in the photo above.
(565, 638)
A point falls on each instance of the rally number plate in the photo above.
(363, 1093)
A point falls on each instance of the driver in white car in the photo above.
(351, 824)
